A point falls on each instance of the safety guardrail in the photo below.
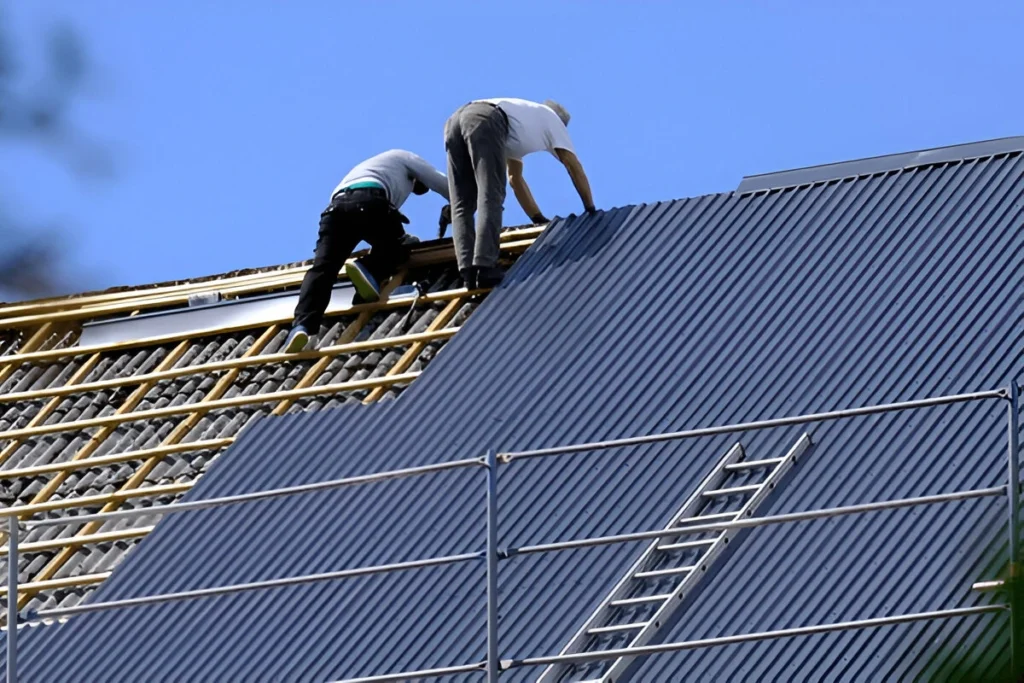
(493, 665)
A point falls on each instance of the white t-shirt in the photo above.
(532, 127)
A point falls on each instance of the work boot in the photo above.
(364, 282)
(297, 339)
(488, 277)
(468, 277)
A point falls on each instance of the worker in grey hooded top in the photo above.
(364, 207)
(484, 139)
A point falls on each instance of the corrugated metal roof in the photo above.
(880, 164)
(697, 312)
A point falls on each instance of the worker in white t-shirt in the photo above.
(484, 139)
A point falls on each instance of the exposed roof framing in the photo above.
(133, 423)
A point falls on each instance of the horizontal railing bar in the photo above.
(254, 585)
(116, 458)
(208, 406)
(757, 521)
(422, 673)
(750, 426)
(750, 637)
(217, 366)
(167, 489)
(255, 495)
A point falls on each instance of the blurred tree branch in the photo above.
(35, 111)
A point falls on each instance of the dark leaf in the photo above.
(67, 55)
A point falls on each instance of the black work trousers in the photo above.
(352, 217)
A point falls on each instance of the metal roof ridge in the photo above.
(878, 164)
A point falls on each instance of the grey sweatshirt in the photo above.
(395, 170)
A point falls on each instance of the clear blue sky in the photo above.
(230, 122)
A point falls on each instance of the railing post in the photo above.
(493, 665)
(12, 599)
(1013, 490)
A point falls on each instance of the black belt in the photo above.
(503, 114)
(368, 191)
(359, 193)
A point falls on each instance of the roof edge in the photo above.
(880, 164)
(422, 254)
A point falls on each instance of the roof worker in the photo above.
(483, 139)
(364, 206)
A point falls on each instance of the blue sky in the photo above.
(229, 123)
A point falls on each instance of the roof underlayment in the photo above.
(896, 284)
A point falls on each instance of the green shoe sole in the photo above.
(297, 343)
(366, 289)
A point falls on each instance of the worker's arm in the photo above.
(522, 191)
(579, 177)
(421, 170)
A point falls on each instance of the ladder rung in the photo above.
(625, 602)
(664, 572)
(703, 519)
(750, 488)
(752, 464)
(616, 628)
(687, 545)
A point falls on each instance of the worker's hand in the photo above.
(445, 220)
(538, 218)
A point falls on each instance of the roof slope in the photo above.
(85, 427)
(705, 311)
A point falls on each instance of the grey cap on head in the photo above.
(558, 109)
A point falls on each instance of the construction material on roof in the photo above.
(202, 316)
(874, 289)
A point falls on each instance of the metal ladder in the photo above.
(671, 567)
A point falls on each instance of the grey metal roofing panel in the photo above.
(881, 164)
(698, 312)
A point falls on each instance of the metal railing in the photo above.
(493, 665)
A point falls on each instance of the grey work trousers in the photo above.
(474, 138)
